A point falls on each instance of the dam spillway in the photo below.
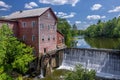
(105, 62)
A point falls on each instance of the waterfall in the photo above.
(42, 74)
(105, 63)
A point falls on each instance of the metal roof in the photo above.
(27, 13)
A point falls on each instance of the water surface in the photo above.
(106, 43)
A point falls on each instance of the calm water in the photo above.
(107, 43)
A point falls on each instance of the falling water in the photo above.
(41, 75)
(105, 63)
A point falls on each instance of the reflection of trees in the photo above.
(109, 43)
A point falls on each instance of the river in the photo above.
(106, 43)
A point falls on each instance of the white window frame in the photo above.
(41, 26)
(43, 38)
(33, 23)
(23, 37)
(53, 37)
(33, 37)
(48, 37)
(48, 27)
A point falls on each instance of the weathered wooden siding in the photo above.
(47, 19)
(60, 38)
(28, 31)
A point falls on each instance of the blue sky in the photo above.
(81, 12)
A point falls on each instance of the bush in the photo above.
(80, 74)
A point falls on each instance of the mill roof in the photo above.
(27, 13)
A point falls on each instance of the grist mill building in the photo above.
(36, 28)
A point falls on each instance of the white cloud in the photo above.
(30, 5)
(61, 14)
(60, 2)
(96, 7)
(55, 12)
(103, 17)
(77, 22)
(83, 25)
(119, 15)
(69, 21)
(65, 15)
(71, 15)
(116, 9)
(94, 17)
(4, 6)
(3, 9)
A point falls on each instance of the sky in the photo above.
(80, 12)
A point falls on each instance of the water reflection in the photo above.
(108, 43)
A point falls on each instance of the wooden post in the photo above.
(38, 64)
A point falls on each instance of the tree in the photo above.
(65, 28)
(80, 74)
(14, 55)
(74, 30)
(74, 27)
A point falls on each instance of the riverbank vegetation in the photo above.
(57, 74)
(78, 74)
(14, 55)
(67, 30)
(110, 29)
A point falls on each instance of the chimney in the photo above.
(21, 11)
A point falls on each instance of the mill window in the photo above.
(42, 38)
(33, 37)
(24, 24)
(48, 38)
(33, 23)
(23, 37)
(41, 26)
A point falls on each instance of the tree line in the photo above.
(108, 29)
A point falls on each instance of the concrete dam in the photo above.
(105, 62)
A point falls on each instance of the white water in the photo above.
(41, 75)
(105, 64)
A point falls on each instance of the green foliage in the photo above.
(81, 32)
(20, 77)
(57, 74)
(4, 76)
(65, 28)
(13, 53)
(109, 29)
(80, 74)
(74, 30)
